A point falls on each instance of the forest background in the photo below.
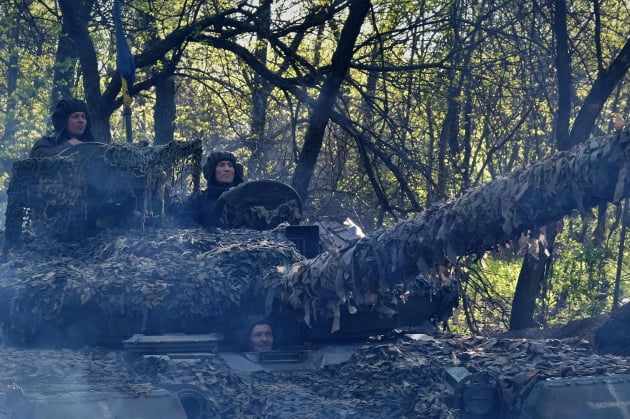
(372, 110)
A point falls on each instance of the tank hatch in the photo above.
(173, 343)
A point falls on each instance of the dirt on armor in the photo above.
(401, 378)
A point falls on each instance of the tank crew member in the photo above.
(72, 124)
(222, 172)
(261, 337)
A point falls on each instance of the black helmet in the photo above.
(63, 110)
(217, 156)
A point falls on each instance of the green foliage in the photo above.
(583, 277)
(580, 285)
(412, 60)
(488, 292)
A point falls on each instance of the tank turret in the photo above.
(93, 254)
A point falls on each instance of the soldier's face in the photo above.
(224, 172)
(77, 122)
(261, 338)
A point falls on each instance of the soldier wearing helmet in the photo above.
(72, 124)
(222, 172)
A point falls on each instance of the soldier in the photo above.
(261, 337)
(71, 121)
(256, 334)
(222, 172)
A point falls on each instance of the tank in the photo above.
(110, 307)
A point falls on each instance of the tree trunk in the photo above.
(448, 136)
(76, 43)
(563, 68)
(164, 111)
(600, 91)
(533, 274)
(535, 269)
(597, 96)
(66, 57)
(313, 139)
(496, 213)
(13, 73)
(261, 90)
(622, 248)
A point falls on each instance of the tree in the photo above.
(12, 75)
(536, 266)
(321, 110)
(261, 91)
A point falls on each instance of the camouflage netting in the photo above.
(259, 204)
(118, 283)
(60, 195)
(259, 217)
(153, 168)
(431, 242)
(48, 192)
(402, 378)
